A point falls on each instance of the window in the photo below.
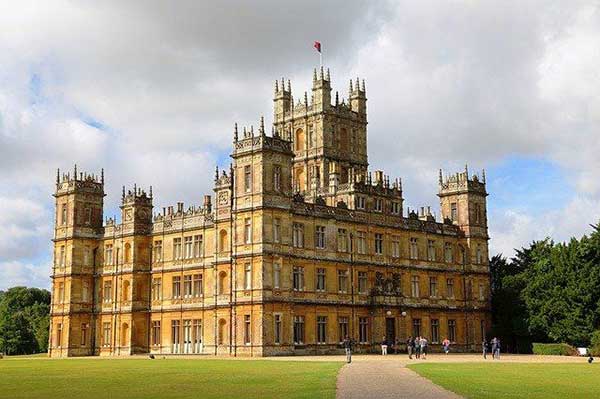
(198, 246)
(197, 336)
(63, 214)
(320, 280)
(176, 287)
(396, 209)
(378, 243)
(187, 286)
(197, 288)
(157, 250)
(156, 333)
(479, 254)
(395, 246)
(223, 240)
(453, 212)
(106, 333)
(177, 248)
(414, 284)
(298, 235)
(320, 237)
(276, 275)
(187, 336)
(298, 330)
(481, 291)
(84, 333)
(448, 253)
(277, 329)
(276, 230)
(360, 202)
(86, 256)
(222, 283)
(247, 329)
(342, 281)
(88, 215)
(247, 276)
(59, 335)
(476, 213)
(247, 178)
(108, 254)
(450, 287)
(361, 242)
(321, 329)
(188, 247)
(342, 240)
(127, 253)
(175, 327)
(416, 327)
(61, 292)
(452, 330)
(156, 289)
(85, 291)
(363, 330)
(433, 287)
(342, 327)
(298, 278)
(430, 250)
(277, 178)
(378, 205)
(107, 291)
(247, 230)
(362, 282)
(435, 331)
(414, 248)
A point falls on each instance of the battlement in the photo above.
(223, 180)
(379, 185)
(250, 143)
(137, 196)
(461, 182)
(79, 181)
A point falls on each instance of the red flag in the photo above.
(317, 45)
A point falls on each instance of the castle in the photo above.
(301, 247)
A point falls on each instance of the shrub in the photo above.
(595, 343)
(554, 349)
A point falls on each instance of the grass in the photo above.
(515, 380)
(166, 378)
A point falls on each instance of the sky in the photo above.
(150, 90)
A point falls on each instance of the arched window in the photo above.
(125, 292)
(300, 140)
(127, 253)
(125, 334)
(223, 244)
(222, 283)
(300, 183)
(222, 329)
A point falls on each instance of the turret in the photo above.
(321, 90)
(282, 100)
(358, 98)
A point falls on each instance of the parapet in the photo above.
(80, 182)
(461, 182)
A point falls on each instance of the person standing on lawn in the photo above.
(484, 348)
(424, 344)
(348, 348)
(446, 345)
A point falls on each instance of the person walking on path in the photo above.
(384, 346)
(484, 348)
(494, 344)
(497, 351)
(418, 347)
(348, 348)
(424, 344)
(446, 345)
(410, 346)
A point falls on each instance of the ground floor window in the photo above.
(175, 327)
(156, 333)
(247, 329)
(452, 330)
(84, 333)
(435, 330)
(106, 334)
(298, 330)
(187, 336)
(416, 330)
(343, 327)
(277, 329)
(363, 330)
(197, 336)
(321, 329)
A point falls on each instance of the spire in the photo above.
(314, 74)
(150, 191)
(251, 130)
(440, 177)
(282, 85)
(289, 86)
(483, 175)
(350, 90)
(123, 194)
(262, 125)
(276, 86)
(328, 78)
(75, 172)
(102, 176)
(363, 85)
(235, 132)
(321, 73)
(337, 98)
(306, 98)
(357, 84)
(217, 172)
(57, 175)
(467, 171)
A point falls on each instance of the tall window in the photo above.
(277, 178)
(414, 248)
(175, 337)
(187, 336)
(156, 333)
(197, 335)
(198, 288)
(176, 287)
(63, 214)
(177, 248)
(378, 205)
(321, 329)
(481, 291)
(360, 202)
(363, 330)
(395, 246)
(450, 287)
(187, 286)
(108, 254)
(247, 230)
(477, 213)
(396, 209)
(342, 240)
(247, 276)
(106, 333)
(88, 215)
(435, 330)
(156, 289)
(452, 330)
(416, 327)
(448, 253)
(247, 178)
(84, 333)
(107, 291)
(342, 327)
(85, 291)
(157, 250)
(298, 330)
(277, 329)
(342, 281)
(479, 254)
(362, 282)
(433, 287)
(414, 284)
(276, 230)
(247, 329)
(198, 246)
(378, 243)
(320, 237)
(298, 235)
(430, 250)
(320, 279)
(361, 242)
(298, 278)
(188, 247)
(453, 212)
(276, 275)
(61, 292)
(86, 256)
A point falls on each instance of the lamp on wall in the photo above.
(389, 313)
(403, 314)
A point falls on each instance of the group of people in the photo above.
(417, 346)
(495, 348)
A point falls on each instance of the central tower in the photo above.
(328, 140)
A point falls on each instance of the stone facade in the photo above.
(301, 246)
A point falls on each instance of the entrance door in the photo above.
(390, 331)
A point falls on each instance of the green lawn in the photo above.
(166, 378)
(515, 380)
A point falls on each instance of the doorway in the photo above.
(390, 332)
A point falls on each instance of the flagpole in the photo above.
(320, 59)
